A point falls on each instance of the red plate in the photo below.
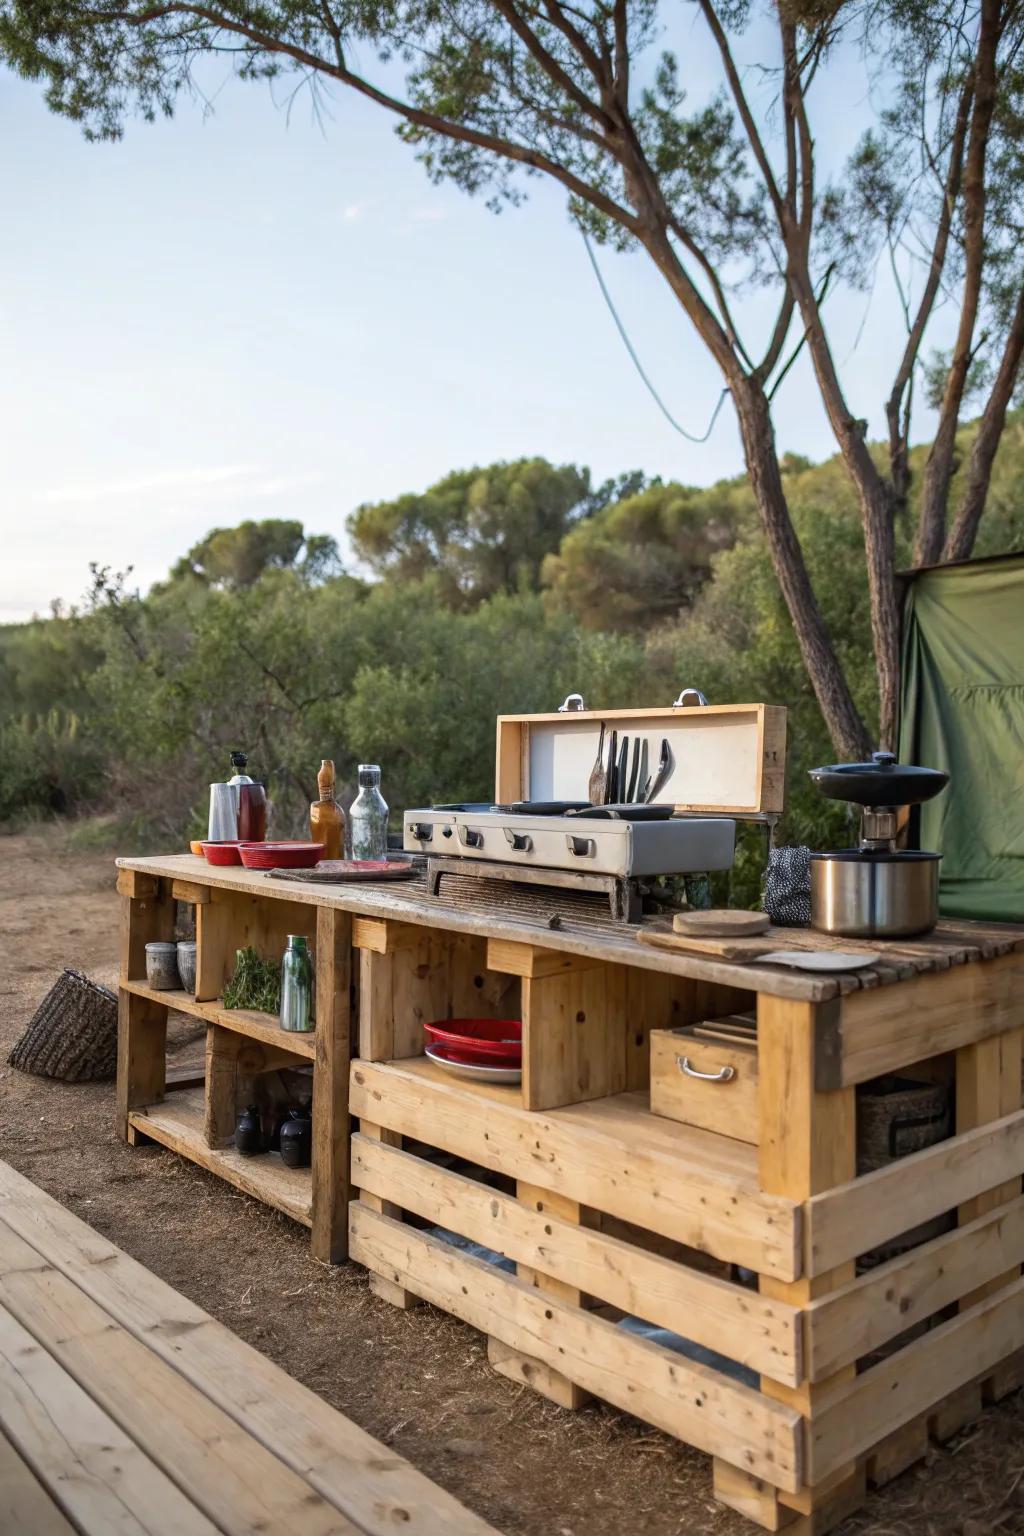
(227, 852)
(281, 855)
(479, 1041)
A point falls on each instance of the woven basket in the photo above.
(73, 1033)
(895, 1117)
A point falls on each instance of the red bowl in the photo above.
(281, 855)
(227, 852)
(494, 1042)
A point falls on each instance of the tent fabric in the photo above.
(963, 710)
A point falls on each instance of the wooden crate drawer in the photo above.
(706, 1076)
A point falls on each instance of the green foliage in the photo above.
(234, 558)
(642, 559)
(256, 983)
(132, 706)
(479, 531)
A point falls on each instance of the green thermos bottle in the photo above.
(297, 986)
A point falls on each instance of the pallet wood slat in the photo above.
(878, 1306)
(852, 1218)
(761, 1334)
(699, 1405)
(664, 1179)
(883, 1030)
(894, 1392)
(244, 1021)
(373, 1487)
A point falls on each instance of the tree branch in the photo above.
(506, 149)
(899, 431)
(743, 107)
(549, 64)
(939, 468)
(961, 538)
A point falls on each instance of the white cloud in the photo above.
(431, 213)
(229, 482)
(353, 212)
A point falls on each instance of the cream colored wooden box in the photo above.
(728, 759)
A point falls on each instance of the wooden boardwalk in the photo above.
(125, 1410)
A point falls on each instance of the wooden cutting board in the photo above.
(721, 923)
(665, 937)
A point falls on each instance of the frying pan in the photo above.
(883, 781)
(624, 811)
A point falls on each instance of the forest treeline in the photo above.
(499, 589)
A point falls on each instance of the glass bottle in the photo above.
(368, 816)
(326, 817)
(297, 986)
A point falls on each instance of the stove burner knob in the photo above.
(422, 831)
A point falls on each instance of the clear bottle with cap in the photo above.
(368, 816)
(326, 817)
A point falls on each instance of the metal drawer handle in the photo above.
(471, 837)
(723, 1075)
(580, 847)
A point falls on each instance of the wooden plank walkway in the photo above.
(125, 1410)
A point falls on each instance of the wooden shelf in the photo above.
(178, 1125)
(258, 1026)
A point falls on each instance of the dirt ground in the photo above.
(417, 1380)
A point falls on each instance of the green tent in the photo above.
(963, 710)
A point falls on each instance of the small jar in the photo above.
(162, 967)
(368, 816)
(297, 986)
(187, 965)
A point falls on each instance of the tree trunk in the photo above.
(990, 431)
(876, 504)
(941, 466)
(849, 734)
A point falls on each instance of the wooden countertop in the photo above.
(950, 944)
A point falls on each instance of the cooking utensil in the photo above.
(664, 769)
(876, 890)
(624, 811)
(634, 771)
(541, 807)
(864, 893)
(882, 782)
(641, 778)
(598, 781)
(612, 787)
(622, 774)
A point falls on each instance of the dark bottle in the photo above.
(249, 1132)
(297, 1139)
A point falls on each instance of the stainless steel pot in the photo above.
(874, 895)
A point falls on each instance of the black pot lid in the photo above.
(883, 781)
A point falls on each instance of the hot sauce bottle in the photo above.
(326, 817)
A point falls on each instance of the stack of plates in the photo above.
(484, 1050)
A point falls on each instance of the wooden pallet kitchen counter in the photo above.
(710, 1259)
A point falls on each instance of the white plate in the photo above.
(820, 959)
(477, 1074)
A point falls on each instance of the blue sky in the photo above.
(243, 314)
